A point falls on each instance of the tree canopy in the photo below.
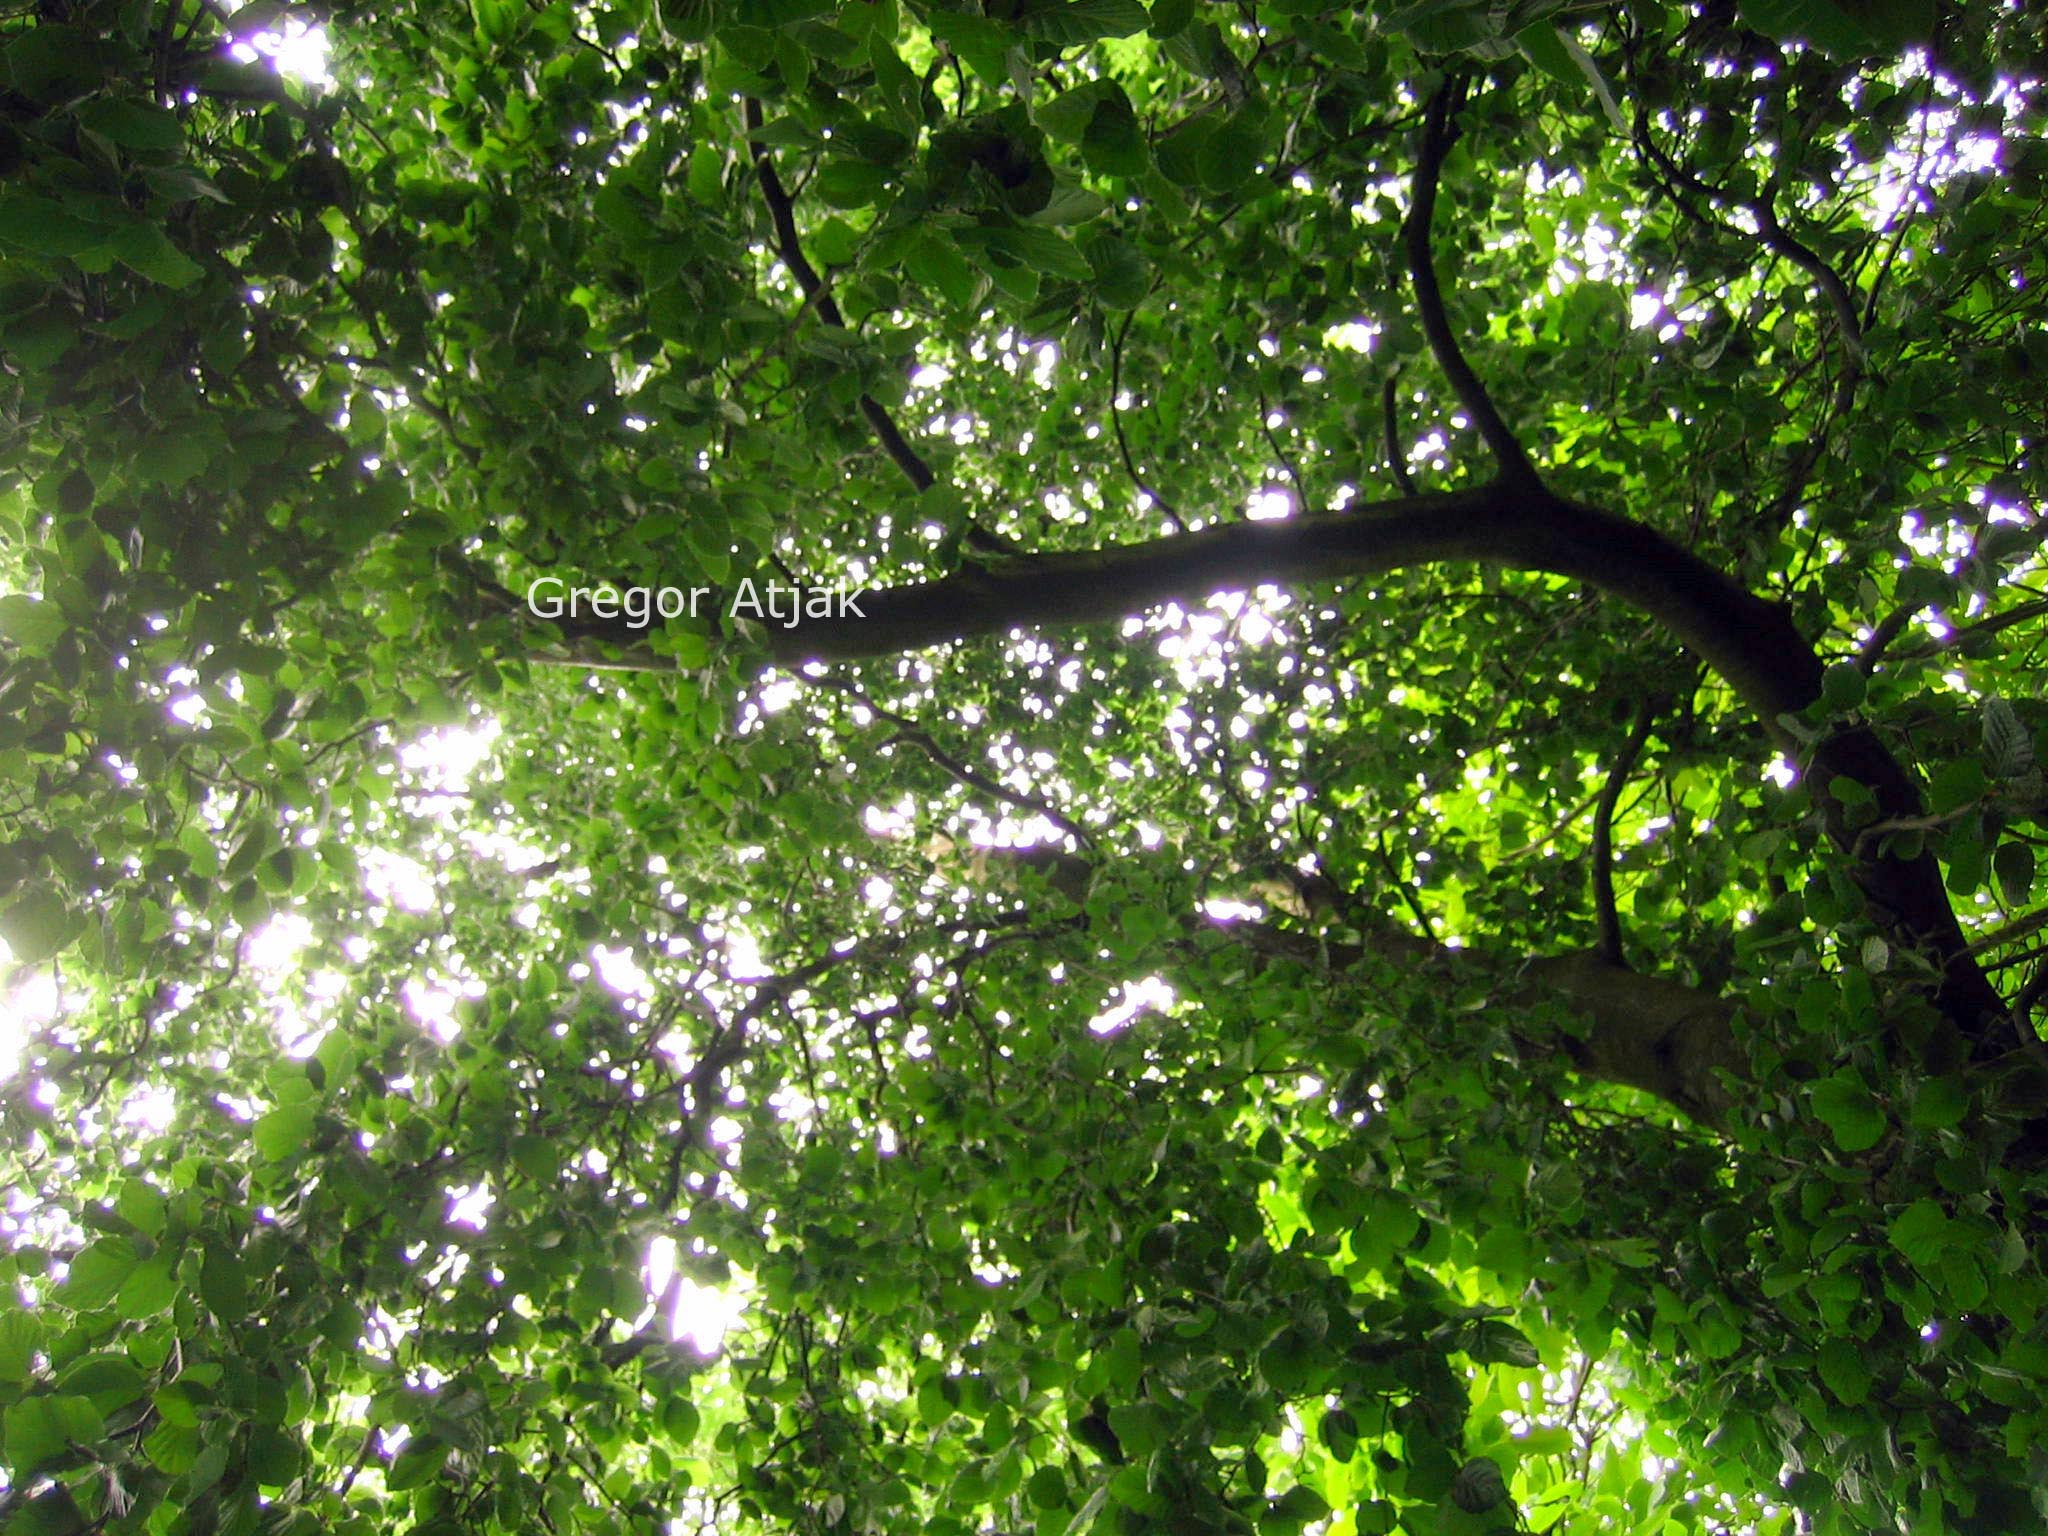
(1406, 901)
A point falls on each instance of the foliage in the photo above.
(1502, 999)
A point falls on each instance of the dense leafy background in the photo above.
(420, 1023)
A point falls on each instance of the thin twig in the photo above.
(908, 730)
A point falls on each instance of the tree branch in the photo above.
(1774, 237)
(1645, 1032)
(790, 248)
(1396, 464)
(1751, 643)
(908, 730)
(1833, 289)
(1888, 629)
(1603, 832)
(1438, 135)
(1116, 422)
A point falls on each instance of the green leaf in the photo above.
(31, 623)
(150, 1289)
(283, 1132)
(1822, 23)
(38, 339)
(1046, 1489)
(181, 184)
(1479, 1486)
(937, 263)
(1938, 1103)
(1085, 1517)
(147, 250)
(1121, 278)
(274, 1456)
(1843, 1102)
(1082, 21)
(679, 1417)
(2008, 750)
(38, 926)
(834, 243)
(1920, 1232)
(20, 1338)
(172, 1448)
(1229, 156)
(1602, 91)
(418, 1464)
(223, 1283)
(1339, 1433)
(44, 227)
(1956, 783)
(108, 1380)
(40, 1429)
(1543, 46)
(1843, 686)
(97, 1274)
(1492, 1342)
(1067, 115)
(1070, 205)
(851, 183)
(1043, 250)
(1842, 1370)
(1963, 851)
(1123, 1360)
(1113, 143)
(706, 176)
(133, 125)
(2013, 865)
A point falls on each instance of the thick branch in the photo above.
(1648, 1032)
(1751, 643)
(1644, 1032)
(1438, 135)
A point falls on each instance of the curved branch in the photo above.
(1751, 643)
(1771, 233)
(1438, 135)
(1777, 238)
(1116, 422)
(1407, 892)
(790, 248)
(1395, 463)
(1603, 832)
